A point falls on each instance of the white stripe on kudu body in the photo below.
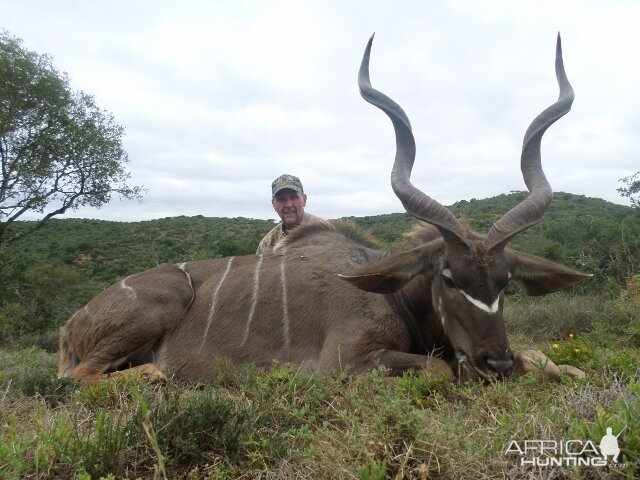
(130, 291)
(254, 301)
(181, 266)
(285, 307)
(214, 301)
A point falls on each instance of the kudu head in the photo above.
(468, 272)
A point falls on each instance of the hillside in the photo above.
(105, 251)
(593, 234)
(51, 273)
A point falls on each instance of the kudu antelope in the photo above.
(325, 299)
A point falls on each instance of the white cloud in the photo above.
(219, 98)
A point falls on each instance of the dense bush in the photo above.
(47, 275)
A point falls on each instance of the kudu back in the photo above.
(326, 298)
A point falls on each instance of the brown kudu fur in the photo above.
(432, 307)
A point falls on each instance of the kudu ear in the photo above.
(539, 276)
(394, 272)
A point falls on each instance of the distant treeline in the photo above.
(52, 272)
(590, 234)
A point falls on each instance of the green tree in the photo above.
(632, 189)
(58, 149)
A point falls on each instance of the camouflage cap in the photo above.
(286, 181)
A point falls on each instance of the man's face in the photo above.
(289, 206)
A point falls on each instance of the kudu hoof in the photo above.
(531, 361)
(150, 372)
(572, 371)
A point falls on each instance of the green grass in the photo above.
(283, 423)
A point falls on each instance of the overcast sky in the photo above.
(220, 97)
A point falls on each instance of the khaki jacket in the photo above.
(277, 233)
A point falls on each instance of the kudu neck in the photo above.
(413, 305)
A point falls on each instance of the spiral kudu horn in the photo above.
(531, 210)
(527, 213)
(414, 201)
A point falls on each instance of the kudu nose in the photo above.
(500, 366)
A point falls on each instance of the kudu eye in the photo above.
(448, 281)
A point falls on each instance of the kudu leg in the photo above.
(532, 361)
(125, 325)
(399, 362)
(88, 374)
